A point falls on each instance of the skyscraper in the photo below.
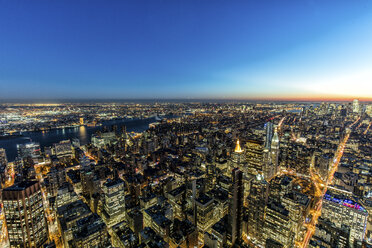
(236, 207)
(356, 107)
(114, 202)
(254, 157)
(277, 225)
(24, 214)
(269, 134)
(257, 200)
(237, 155)
(275, 150)
(205, 210)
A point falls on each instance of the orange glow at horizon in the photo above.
(302, 97)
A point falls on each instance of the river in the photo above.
(83, 133)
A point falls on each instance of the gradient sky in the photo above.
(186, 49)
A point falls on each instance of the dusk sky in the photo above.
(186, 49)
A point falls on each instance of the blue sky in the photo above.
(185, 49)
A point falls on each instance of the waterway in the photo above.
(83, 133)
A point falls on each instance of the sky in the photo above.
(186, 49)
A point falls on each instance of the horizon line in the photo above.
(257, 99)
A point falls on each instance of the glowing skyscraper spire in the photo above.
(238, 149)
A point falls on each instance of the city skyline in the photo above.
(186, 50)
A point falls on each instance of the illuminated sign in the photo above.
(344, 202)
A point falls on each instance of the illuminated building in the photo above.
(183, 235)
(156, 217)
(275, 150)
(356, 107)
(123, 237)
(149, 238)
(63, 149)
(3, 165)
(268, 167)
(298, 157)
(219, 232)
(205, 211)
(3, 159)
(91, 232)
(257, 199)
(237, 158)
(89, 182)
(29, 150)
(106, 138)
(254, 157)
(236, 207)
(279, 186)
(211, 241)
(135, 220)
(24, 214)
(323, 163)
(74, 177)
(68, 215)
(298, 206)
(65, 195)
(75, 142)
(114, 202)
(56, 177)
(81, 120)
(277, 225)
(328, 235)
(175, 199)
(369, 110)
(221, 202)
(269, 134)
(343, 210)
(238, 149)
(270, 243)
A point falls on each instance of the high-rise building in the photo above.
(270, 161)
(64, 149)
(275, 150)
(236, 207)
(254, 157)
(298, 206)
(24, 214)
(268, 168)
(3, 159)
(31, 149)
(369, 110)
(237, 158)
(257, 200)
(56, 177)
(277, 225)
(356, 107)
(269, 134)
(123, 237)
(68, 214)
(65, 195)
(114, 202)
(343, 210)
(328, 235)
(204, 211)
(91, 232)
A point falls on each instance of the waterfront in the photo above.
(83, 133)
